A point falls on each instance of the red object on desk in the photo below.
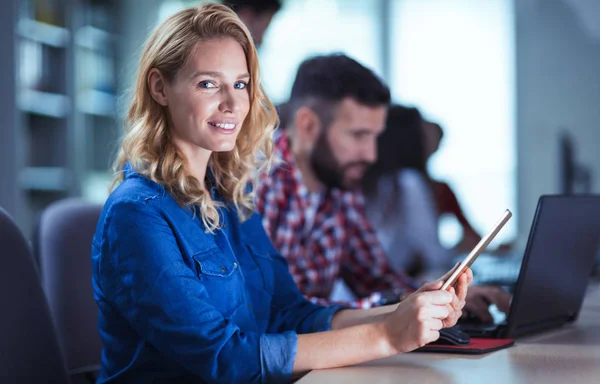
(477, 346)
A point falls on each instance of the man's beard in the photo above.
(328, 170)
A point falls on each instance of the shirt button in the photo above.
(235, 265)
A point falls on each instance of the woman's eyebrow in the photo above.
(216, 74)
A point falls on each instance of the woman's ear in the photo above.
(157, 87)
(307, 125)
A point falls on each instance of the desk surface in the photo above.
(567, 355)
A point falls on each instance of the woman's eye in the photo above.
(206, 84)
(240, 85)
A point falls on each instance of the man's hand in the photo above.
(479, 298)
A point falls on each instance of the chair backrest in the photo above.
(64, 244)
(29, 348)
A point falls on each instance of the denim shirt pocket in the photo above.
(222, 279)
(264, 262)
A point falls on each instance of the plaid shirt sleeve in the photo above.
(266, 201)
(367, 272)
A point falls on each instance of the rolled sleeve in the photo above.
(277, 355)
(322, 319)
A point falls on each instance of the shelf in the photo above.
(53, 179)
(43, 33)
(93, 38)
(44, 103)
(97, 103)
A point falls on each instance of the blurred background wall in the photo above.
(558, 91)
(514, 83)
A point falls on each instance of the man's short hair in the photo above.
(323, 81)
(285, 115)
(258, 6)
(337, 76)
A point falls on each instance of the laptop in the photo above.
(557, 264)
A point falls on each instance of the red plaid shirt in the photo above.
(324, 236)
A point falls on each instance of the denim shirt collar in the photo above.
(212, 182)
(130, 172)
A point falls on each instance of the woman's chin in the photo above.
(224, 146)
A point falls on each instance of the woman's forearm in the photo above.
(358, 335)
(352, 317)
(341, 347)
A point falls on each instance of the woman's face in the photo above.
(209, 98)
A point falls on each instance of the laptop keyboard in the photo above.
(507, 275)
(497, 271)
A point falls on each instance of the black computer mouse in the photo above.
(452, 336)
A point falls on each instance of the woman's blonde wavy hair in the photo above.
(146, 144)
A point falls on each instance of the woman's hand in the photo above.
(459, 291)
(418, 319)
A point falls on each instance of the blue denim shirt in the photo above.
(178, 304)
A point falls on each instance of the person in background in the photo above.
(400, 202)
(311, 203)
(256, 14)
(445, 199)
(188, 285)
(283, 111)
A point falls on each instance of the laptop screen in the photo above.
(557, 263)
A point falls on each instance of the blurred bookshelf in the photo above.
(95, 43)
(66, 121)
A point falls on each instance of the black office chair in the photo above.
(64, 245)
(29, 348)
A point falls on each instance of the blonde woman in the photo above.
(188, 285)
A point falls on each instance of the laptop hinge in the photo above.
(540, 326)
